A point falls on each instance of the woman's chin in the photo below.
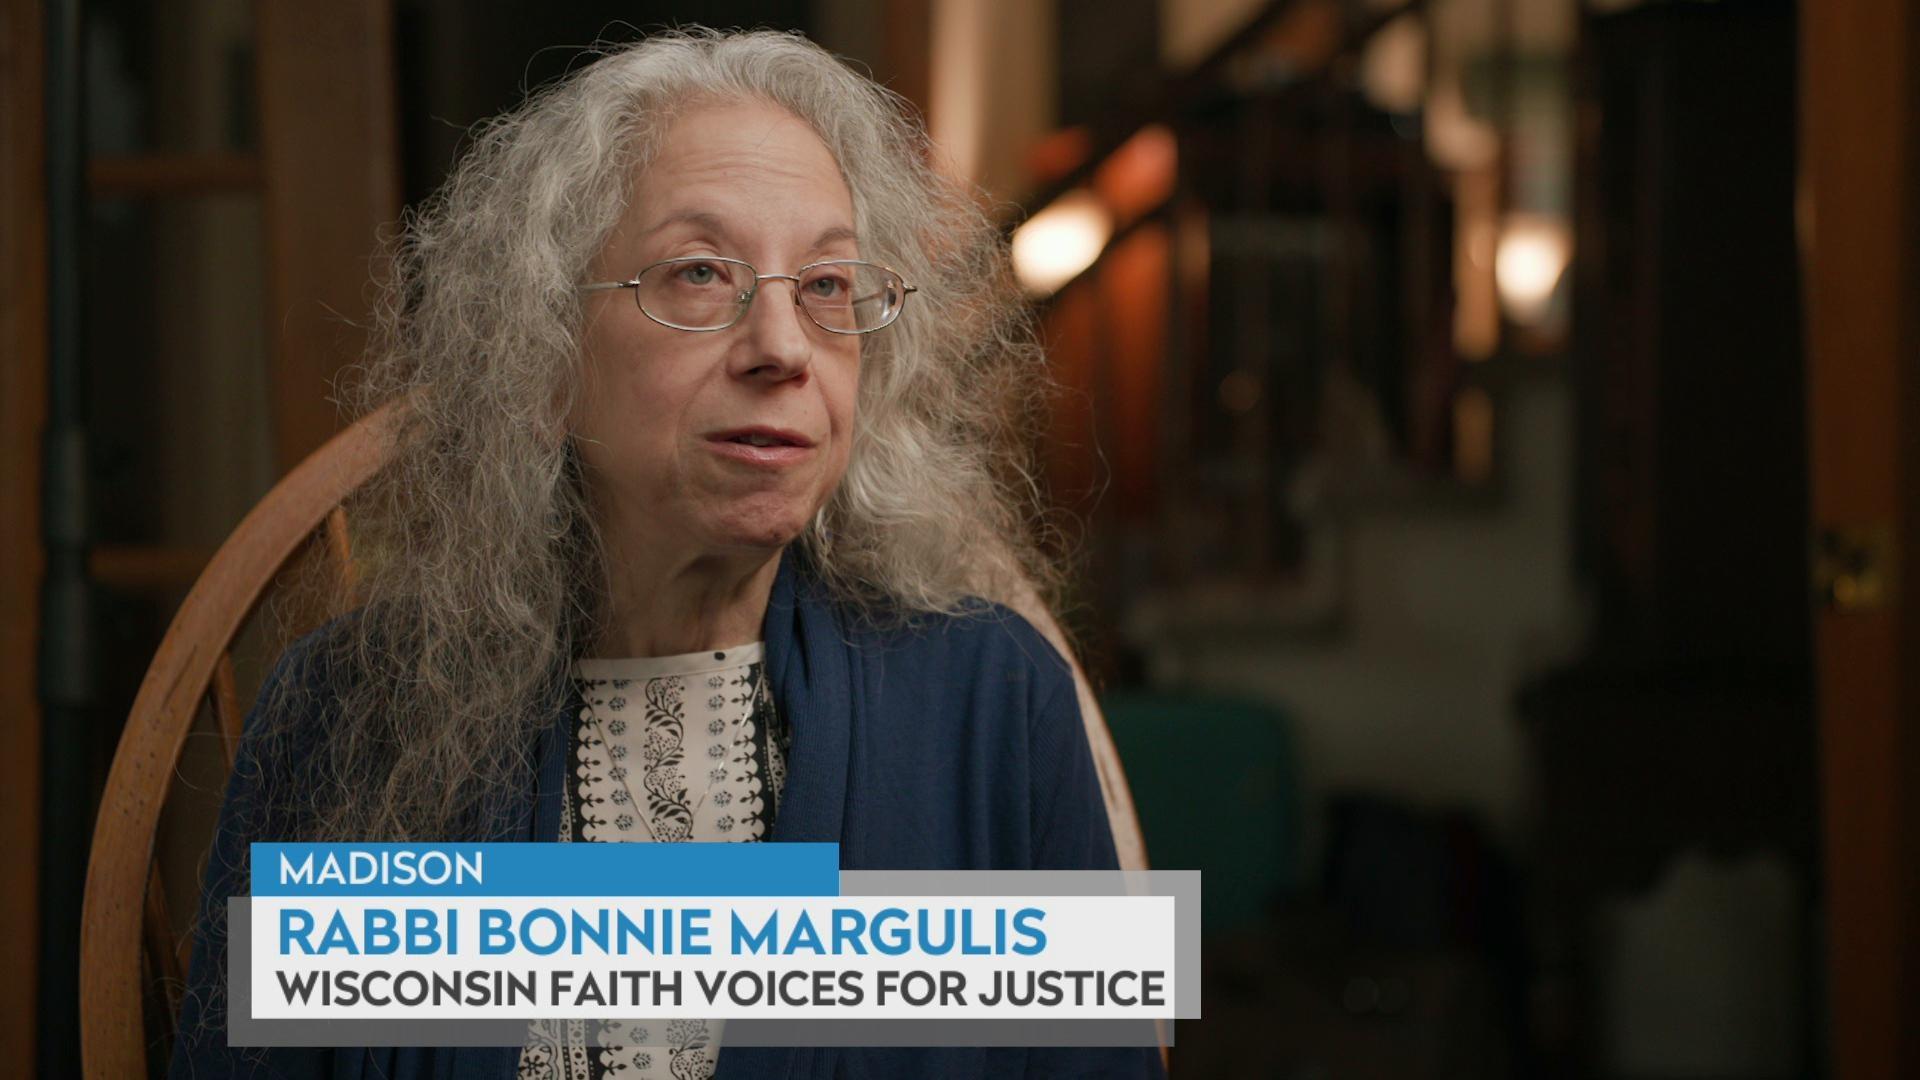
(764, 528)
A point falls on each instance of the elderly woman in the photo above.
(707, 495)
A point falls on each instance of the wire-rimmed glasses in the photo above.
(703, 293)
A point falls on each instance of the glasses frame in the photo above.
(746, 299)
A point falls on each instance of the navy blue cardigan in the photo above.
(952, 743)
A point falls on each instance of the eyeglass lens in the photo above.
(712, 294)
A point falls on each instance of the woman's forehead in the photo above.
(741, 172)
(744, 146)
(716, 224)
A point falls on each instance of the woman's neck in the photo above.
(690, 604)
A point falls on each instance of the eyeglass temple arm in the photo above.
(904, 289)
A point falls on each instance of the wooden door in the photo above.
(23, 406)
(1860, 233)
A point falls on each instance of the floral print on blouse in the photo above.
(668, 749)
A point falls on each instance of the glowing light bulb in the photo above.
(1532, 254)
(1060, 241)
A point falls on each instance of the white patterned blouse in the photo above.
(667, 749)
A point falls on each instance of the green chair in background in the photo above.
(1215, 785)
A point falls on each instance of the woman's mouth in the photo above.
(765, 447)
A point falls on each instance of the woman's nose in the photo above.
(779, 338)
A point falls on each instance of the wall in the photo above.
(1446, 611)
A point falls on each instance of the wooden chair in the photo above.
(127, 933)
(128, 943)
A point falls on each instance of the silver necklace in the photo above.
(693, 812)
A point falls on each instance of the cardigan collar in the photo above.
(810, 668)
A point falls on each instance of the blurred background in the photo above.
(1491, 425)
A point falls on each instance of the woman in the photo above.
(708, 494)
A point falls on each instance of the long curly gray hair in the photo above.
(480, 569)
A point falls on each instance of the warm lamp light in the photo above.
(1060, 241)
(1532, 254)
(1393, 66)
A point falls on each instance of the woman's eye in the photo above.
(827, 286)
(699, 274)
